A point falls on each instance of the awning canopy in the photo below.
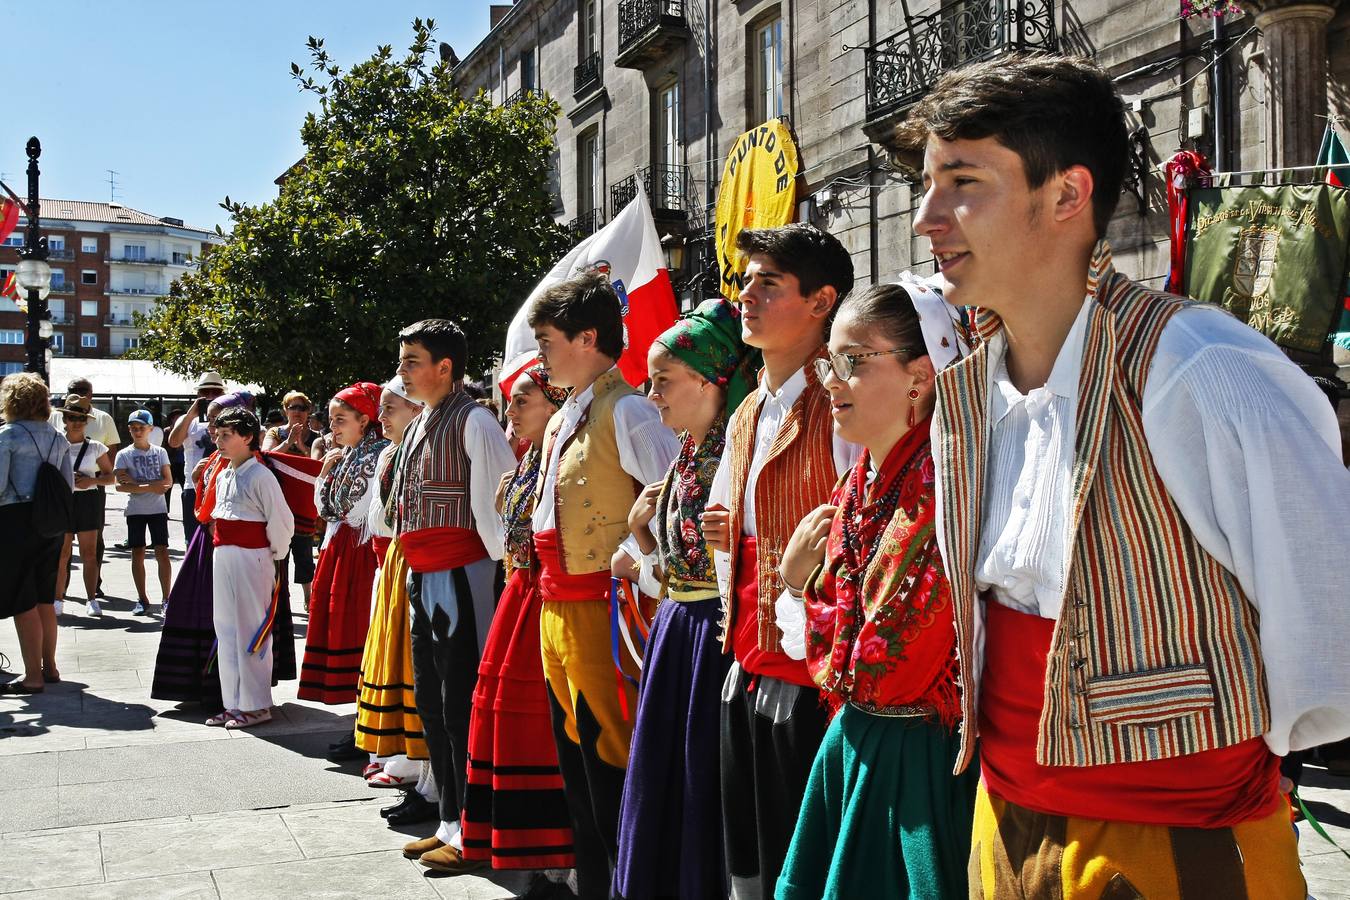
(128, 378)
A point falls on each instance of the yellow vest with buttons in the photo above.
(593, 494)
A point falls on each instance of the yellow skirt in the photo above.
(387, 723)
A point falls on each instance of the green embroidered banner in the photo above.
(1276, 256)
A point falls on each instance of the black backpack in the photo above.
(53, 500)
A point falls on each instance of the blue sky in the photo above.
(188, 102)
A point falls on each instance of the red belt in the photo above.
(745, 636)
(554, 581)
(438, 549)
(381, 547)
(1212, 789)
(238, 533)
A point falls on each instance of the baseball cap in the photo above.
(141, 417)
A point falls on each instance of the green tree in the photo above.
(411, 201)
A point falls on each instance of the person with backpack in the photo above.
(36, 510)
(93, 471)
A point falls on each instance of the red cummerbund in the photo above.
(745, 638)
(1212, 789)
(554, 581)
(438, 549)
(236, 533)
(380, 546)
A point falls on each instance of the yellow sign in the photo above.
(759, 190)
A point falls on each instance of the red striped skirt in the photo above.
(339, 617)
(515, 813)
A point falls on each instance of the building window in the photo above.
(58, 341)
(768, 70)
(56, 243)
(133, 251)
(527, 73)
(588, 19)
(11, 336)
(588, 172)
(668, 181)
(88, 276)
(10, 368)
(88, 244)
(15, 239)
(88, 340)
(88, 307)
(130, 343)
(58, 278)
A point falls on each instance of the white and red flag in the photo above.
(628, 251)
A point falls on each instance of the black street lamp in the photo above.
(33, 276)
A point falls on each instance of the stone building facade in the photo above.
(655, 92)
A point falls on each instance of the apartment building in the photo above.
(655, 92)
(109, 262)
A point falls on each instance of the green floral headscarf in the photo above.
(708, 340)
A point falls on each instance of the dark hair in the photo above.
(476, 390)
(80, 386)
(242, 422)
(441, 338)
(276, 417)
(815, 257)
(887, 308)
(582, 302)
(1052, 111)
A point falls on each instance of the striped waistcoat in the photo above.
(1155, 653)
(798, 476)
(433, 478)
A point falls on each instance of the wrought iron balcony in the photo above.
(62, 318)
(137, 260)
(586, 224)
(902, 68)
(519, 95)
(63, 287)
(64, 254)
(586, 76)
(667, 187)
(648, 30)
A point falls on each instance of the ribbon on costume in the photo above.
(1182, 170)
(260, 636)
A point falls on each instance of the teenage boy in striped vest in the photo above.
(599, 450)
(1142, 514)
(781, 462)
(451, 460)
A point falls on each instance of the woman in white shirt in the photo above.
(93, 469)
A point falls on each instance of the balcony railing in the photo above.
(121, 320)
(62, 255)
(903, 67)
(586, 224)
(667, 187)
(519, 95)
(136, 292)
(62, 318)
(63, 287)
(586, 76)
(648, 30)
(139, 261)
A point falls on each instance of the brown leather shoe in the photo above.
(426, 845)
(448, 859)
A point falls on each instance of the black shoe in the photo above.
(412, 810)
(386, 810)
(345, 750)
(122, 545)
(541, 888)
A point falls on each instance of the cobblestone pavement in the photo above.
(107, 793)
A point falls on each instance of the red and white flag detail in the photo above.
(628, 251)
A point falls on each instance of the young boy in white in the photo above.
(143, 472)
(253, 528)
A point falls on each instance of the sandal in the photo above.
(19, 689)
(249, 719)
(222, 718)
(372, 769)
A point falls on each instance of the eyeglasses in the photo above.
(297, 407)
(842, 364)
(74, 417)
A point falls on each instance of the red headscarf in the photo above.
(364, 397)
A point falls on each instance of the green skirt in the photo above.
(883, 815)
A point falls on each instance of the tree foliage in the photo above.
(411, 201)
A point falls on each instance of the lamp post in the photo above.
(34, 276)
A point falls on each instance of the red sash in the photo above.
(1213, 789)
(380, 545)
(237, 533)
(438, 549)
(745, 638)
(554, 581)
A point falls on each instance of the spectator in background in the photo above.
(189, 433)
(101, 428)
(93, 469)
(275, 419)
(143, 472)
(28, 560)
(296, 436)
(175, 453)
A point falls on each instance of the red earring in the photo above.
(913, 399)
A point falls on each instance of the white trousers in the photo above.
(243, 580)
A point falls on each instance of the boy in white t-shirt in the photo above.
(143, 472)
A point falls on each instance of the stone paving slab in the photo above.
(194, 886)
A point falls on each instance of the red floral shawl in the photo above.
(894, 642)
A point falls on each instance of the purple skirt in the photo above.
(670, 824)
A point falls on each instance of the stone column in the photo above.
(1294, 36)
